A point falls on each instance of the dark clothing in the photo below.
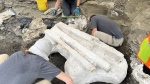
(146, 70)
(106, 25)
(25, 69)
(68, 7)
(70, 1)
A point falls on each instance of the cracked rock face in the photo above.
(88, 59)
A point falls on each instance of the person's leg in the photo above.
(117, 42)
(146, 70)
(103, 37)
(73, 7)
(65, 8)
(108, 39)
(44, 82)
(3, 57)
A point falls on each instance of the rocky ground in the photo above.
(133, 16)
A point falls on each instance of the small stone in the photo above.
(145, 75)
(114, 13)
(2, 28)
(34, 7)
(9, 33)
(29, 2)
(2, 37)
(125, 25)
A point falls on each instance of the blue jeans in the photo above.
(68, 7)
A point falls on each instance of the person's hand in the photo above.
(77, 11)
(53, 12)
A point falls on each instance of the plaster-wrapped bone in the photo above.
(88, 59)
(76, 55)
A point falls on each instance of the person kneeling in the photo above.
(69, 7)
(106, 30)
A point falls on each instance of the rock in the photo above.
(1, 22)
(139, 29)
(9, 3)
(110, 5)
(2, 37)
(88, 59)
(33, 0)
(1, 5)
(114, 13)
(21, 0)
(92, 2)
(78, 23)
(17, 31)
(1, 28)
(36, 27)
(142, 20)
(106, 0)
(82, 1)
(124, 24)
(7, 14)
(140, 76)
(134, 39)
(37, 24)
(87, 9)
(25, 21)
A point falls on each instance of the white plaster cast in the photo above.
(88, 59)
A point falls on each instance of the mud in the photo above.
(123, 12)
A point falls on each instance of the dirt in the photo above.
(127, 10)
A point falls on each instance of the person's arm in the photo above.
(93, 31)
(93, 24)
(64, 77)
(54, 11)
(78, 3)
(77, 10)
(57, 4)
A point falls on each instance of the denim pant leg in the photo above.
(73, 7)
(66, 8)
